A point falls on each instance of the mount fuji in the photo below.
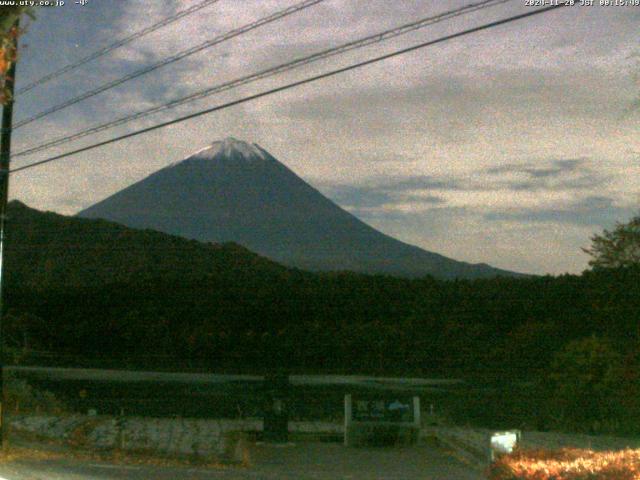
(232, 191)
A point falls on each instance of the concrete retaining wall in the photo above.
(205, 438)
(214, 439)
(220, 439)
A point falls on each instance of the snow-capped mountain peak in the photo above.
(233, 191)
(230, 145)
(227, 148)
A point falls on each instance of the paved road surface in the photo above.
(312, 461)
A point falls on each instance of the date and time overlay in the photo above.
(582, 3)
(527, 3)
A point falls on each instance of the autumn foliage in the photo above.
(8, 55)
(567, 464)
(9, 32)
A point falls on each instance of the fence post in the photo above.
(120, 424)
(347, 419)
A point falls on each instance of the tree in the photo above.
(8, 34)
(8, 16)
(583, 385)
(617, 248)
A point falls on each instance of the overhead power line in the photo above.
(174, 58)
(291, 85)
(260, 75)
(120, 43)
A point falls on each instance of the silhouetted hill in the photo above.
(45, 250)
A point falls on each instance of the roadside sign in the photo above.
(392, 409)
(368, 417)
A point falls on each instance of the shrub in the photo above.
(21, 397)
(567, 464)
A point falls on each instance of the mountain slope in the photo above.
(233, 191)
(46, 250)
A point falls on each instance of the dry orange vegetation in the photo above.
(7, 57)
(567, 464)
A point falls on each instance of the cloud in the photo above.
(559, 176)
(535, 240)
(367, 197)
(549, 175)
(557, 167)
(597, 211)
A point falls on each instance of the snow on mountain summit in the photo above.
(230, 146)
(227, 148)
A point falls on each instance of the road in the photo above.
(312, 461)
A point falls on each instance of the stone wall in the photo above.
(215, 439)
(203, 438)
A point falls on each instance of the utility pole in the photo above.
(5, 163)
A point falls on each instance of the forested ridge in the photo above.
(94, 293)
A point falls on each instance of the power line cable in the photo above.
(289, 86)
(174, 58)
(120, 43)
(260, 75)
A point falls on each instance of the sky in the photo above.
(511, 146)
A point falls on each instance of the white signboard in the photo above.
(366, 414)
(502, 443)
